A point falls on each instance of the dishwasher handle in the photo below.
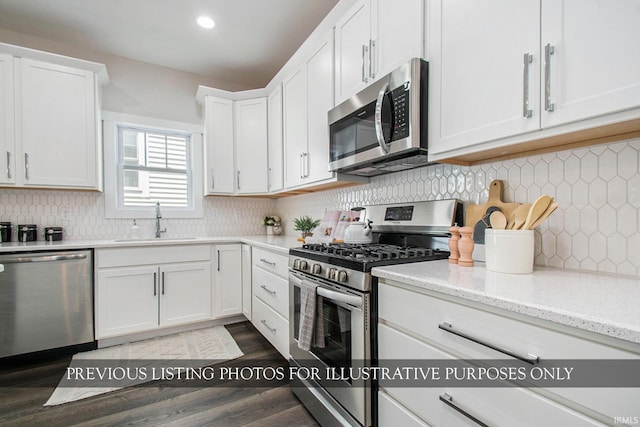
(44, 258)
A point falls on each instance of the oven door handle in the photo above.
(332, 295)
(340, 297)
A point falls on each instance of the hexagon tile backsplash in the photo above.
(596, 227)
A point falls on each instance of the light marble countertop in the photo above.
(280, 244)
(605, 304)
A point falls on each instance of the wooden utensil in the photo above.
(518, 216)
(552, 207)
(537, 208)
(475, 212)
(498, 220)
(482, 225)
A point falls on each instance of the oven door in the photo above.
(345, 349)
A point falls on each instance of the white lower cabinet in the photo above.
(246, 281)
(227, 295)
(416, 325)
(133, 295)
(270, 290)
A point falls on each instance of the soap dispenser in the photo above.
(134, 232)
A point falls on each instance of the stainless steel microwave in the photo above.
(383, 128)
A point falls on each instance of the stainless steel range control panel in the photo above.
(344, 276)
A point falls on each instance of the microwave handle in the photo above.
(378, 119)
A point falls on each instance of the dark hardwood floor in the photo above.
(161, 404)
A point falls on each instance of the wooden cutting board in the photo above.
(476, 212)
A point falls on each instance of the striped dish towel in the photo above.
(309, 303)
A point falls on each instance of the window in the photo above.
(152, 164)
(153, 167)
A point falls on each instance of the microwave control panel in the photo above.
(400, 98)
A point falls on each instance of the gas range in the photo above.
(344, 303)
(350, 264)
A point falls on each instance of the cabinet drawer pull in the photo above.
(163, 283)
(272, 330)
(155, 281)
(548, 51)
(9, 164)
(529, 358)
(271, 263)
(26, 166)
(218, 260)
(526, 111)
(213, 180)
(448, 399)
(372, 48)
(268, 290)
(364, 51)
(238, 178)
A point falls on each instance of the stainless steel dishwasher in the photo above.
(46, 300)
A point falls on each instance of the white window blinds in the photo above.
(153, 167)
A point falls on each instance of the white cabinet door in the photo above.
(396, 34)
(57, 126)
(594, 68)
(294, 90)
(275, 144)
(185, 293)
(319, 102)
(250, 117)
(127, 300)
(7, 135)
(477, 71)
(218, 134)
(227, 297)
(352, 34)
(246, 281)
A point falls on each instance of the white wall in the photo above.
(136, 87)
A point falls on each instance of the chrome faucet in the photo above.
(158, 216)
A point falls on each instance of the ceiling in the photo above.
(251, 41)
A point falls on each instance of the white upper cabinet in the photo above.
(319, 102)
(592, 71)
(49, 130)
(517, 76)
(274, 140)
(373, 38)
(57, 126)
(294, 93)
(353, 35)
(307, 98)
(477, 70)
(218, 135)
(250, 117)
(7, 135)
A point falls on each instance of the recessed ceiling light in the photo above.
(205, 22)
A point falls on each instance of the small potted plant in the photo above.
(305, 224)
(272, 222)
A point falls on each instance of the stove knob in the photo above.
(303, 265)
(331, 274)
(296, 264)
(342, 276)
(316, 268)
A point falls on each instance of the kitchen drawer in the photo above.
(421, 315)
(130, 256)
(495, 406)
(273, 326)
(271, 261)
(393, 414)
(271, 289)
